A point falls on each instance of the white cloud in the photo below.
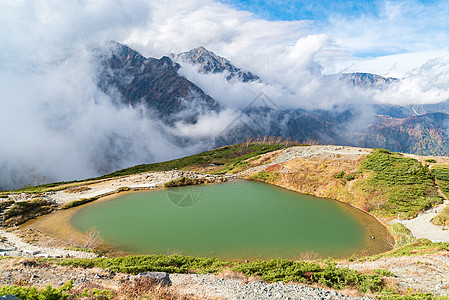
(56, 122)
(426, 84)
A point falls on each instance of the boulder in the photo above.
(158, 277)
(9, 297)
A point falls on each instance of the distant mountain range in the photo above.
(156, 83)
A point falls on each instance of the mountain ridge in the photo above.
(153, 82)
(157, 83)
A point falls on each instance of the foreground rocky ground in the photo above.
(190, 286)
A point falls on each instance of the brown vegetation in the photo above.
(77, 189)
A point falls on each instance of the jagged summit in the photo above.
(209, 62)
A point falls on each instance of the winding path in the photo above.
(421, 227)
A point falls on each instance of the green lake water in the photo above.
(234, 220)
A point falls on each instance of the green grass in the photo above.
(33, 293)
(265, 176)
(405, 186)
(228, 157)
(50, 187)
(87, 250)
(50, 293)
(327, 274)
(78, 202)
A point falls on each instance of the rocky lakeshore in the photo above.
(11, 244)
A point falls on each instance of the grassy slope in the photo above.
(225, 159)
(397, 185)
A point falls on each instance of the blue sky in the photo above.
(318, 10)
(291, 10)
(405, 25)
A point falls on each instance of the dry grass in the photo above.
(309, 256)
(315, 176)
(146, 288)
(442, 218)
(91, 239)
(77, 189)
(229, 274)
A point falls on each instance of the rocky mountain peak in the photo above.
(152, 82)
(208, 62)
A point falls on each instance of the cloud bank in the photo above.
(57, 124)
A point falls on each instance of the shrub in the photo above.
(339, 175)
(349, 177)
(411, 296)
(269, 270)
(22, 211)
(89, 241)
(380, 150)
(183, 181)
(5, 204)
(32, 293)
(401, 235)
(309, 272)
(123, 189)
(430, 160)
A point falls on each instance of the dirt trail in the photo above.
(427, 273)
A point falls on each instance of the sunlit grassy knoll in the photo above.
(397, 184)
